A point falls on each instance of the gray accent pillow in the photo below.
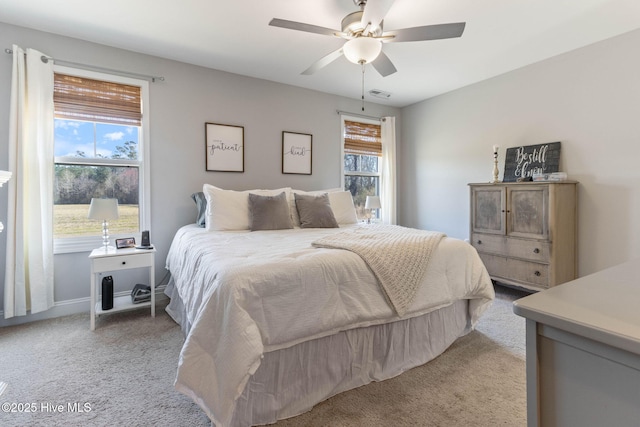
(201, 207)
(269, 212)
(315, 211)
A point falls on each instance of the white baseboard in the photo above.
(65, 308)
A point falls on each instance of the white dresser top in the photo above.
(604, 306)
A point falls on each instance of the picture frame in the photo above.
(522, 162)
(127, 242)
(224, 147)
(297, 151)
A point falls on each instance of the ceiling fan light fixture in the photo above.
(362, 50)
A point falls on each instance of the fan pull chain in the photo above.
(362, 63)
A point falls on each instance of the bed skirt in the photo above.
(292, 380)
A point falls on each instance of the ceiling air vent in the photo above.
(379, 94)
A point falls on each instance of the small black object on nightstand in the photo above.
(107, 293)
(146, 242)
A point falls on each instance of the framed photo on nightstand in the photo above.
(127, 242)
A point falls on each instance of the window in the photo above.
(100, 150)
(362, 153)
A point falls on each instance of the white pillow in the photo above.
(343, 208)
(228, 209)
(292, 202)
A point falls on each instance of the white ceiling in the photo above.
(234, 36)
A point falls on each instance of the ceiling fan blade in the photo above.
(323, 62)
(293, 25)
(383, 65)
(374, 13)
(428, 32)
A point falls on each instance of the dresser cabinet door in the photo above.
(487, 209)
(527, 211)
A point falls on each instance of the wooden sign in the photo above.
(523, 162)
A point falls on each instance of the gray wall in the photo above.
(588, 99)
(189, 97)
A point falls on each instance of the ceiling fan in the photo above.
(364, 33)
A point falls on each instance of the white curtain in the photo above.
(388, 170)
(28, 281)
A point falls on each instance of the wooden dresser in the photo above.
(526, 233)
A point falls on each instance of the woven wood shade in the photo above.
(362, 138)
(79, 98)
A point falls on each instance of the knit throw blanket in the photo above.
(397, 256)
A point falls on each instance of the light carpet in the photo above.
(58, 373)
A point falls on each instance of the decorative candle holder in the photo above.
(495, 165)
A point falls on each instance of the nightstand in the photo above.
(117, 260)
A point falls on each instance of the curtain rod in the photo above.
(359, 115)
(46, 59)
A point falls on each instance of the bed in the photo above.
(275, 322)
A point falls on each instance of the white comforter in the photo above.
(247, 293)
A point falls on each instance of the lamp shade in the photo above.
(362, 49)
(103, 209)
(373, 202)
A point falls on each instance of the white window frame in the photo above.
(88, 243)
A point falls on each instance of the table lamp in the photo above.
(105, 210)
(372, 202)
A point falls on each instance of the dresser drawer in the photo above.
(532, 250)
(489, 243)
(529, 249)
(115, 263)
(516, 270)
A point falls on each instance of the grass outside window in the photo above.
(72, 221)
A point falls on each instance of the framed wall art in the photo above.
(224, 145)
(524, 161)
(296, 153)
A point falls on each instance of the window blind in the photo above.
(80, 98)
(362, 138)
